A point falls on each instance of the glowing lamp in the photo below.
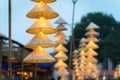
(39, 55)
(92, 26)
(40, 40)
(46, 1)
(60, 47)
(42, 10)
(92, 45)
(41, 25)
(60, 63)
(61, 55)
(62, 71)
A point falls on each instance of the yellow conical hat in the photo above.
(61, 27)
(60, 20)
(60, 63)
(75, 63)
(90, 51)
(92, 45)
(42, 10)
(76, 67)
(92, 59)
(82, 52)
(42, 25)
(59, 41)
(62, 71)
(60, 34)
(80, 77)
(46, 1)
(75, 59)
(61, 55)
(92, 39)
(40, 40)
(60, 47)
(92, 33)
(90, 66)
(39, 55)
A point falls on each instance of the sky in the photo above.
(20, 23)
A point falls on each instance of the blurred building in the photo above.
(21, 71)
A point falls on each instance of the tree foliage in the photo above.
(109, 33)
(111, 46)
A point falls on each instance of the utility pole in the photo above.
(10, 41)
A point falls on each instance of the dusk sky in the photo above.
(63, 7)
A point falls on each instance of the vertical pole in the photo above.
(35, 71)
(72, 37)
(1, 42)
(72, 42)
(10, 41)
(22, 71)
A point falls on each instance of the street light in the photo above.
(72, 45)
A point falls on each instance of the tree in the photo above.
(107, 25)
(111, 47)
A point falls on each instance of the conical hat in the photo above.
(92, 45)
(77, 70)
(81, 77)
(60, 20)
(61, 27)
(93, 60)
(75, 59)
(42, 10)
(46, 1)
(82, 65)
(83, 61)
(42, 25)
(80, 49)
(92, 26)
(39, 55)
(76, 67)
(62, 71)
(92, 39)
(75, 55)
(60, 34)
(60, 63)
(82, 52)
(75, 51)
(75, 63)
(61, 55)
(91, 52)
(60, 47)
(83, 40)
(92, 33)
(82, 45)
(90, 66)
(60, 41)
(40, 40)
(77, 74)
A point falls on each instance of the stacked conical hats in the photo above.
(117, 72)
(76, 63)
(82, 58)
(90, 47)
(60, 49)
(40, 28)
